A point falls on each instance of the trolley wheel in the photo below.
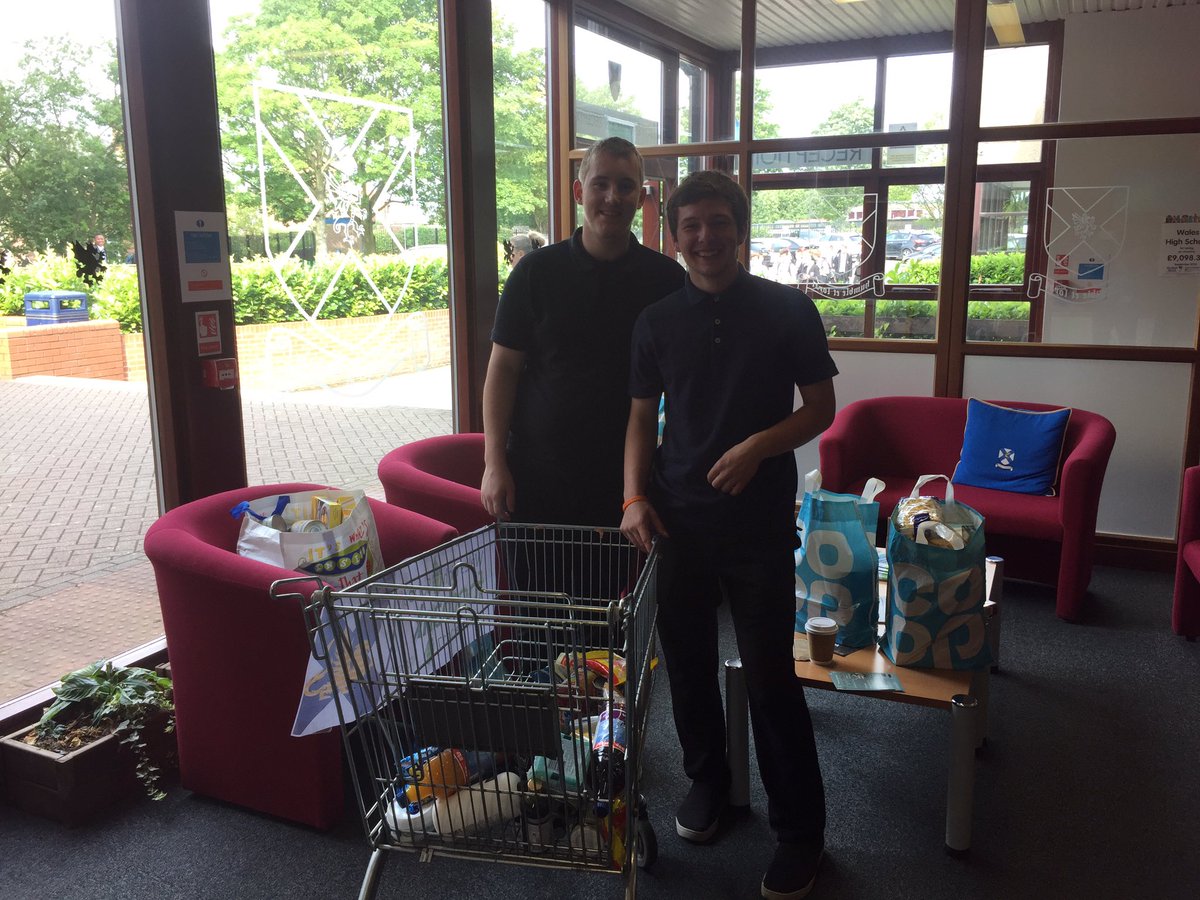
(645, 849)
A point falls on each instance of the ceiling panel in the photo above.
(717, 23)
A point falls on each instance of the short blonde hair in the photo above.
(613, 146)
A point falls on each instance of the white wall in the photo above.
(863, 375)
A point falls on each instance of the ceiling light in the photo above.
(1005, 21)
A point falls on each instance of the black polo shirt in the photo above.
(572, 315)
(729, 365)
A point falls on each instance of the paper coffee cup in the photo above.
(822, 635)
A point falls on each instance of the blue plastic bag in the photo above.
(934, 615)
(836, 565)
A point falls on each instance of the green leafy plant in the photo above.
(106, 698)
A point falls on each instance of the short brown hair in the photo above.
(613, 146)
(710, 183)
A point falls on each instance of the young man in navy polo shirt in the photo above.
(555, 403)
(729, 350)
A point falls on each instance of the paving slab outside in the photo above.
(77, 494)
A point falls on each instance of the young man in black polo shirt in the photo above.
(555, 401)
(729, 350)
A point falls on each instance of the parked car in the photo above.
(1016, 243)
(930, 251)
(903, 244)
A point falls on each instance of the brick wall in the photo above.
(80, 349)
(291, 356)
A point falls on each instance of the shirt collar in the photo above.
(695, 295)
(589, 263)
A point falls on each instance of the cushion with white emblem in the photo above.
(1011, 449)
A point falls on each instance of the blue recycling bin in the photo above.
(55, 307)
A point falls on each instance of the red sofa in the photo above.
(238, 658)
(440, 478)
(1044, 539)
(1185, 613)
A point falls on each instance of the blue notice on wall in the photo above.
(201, 247)
(1091, 271)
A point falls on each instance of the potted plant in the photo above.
(109, 728)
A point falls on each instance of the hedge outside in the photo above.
(991, 268)
(259, 297)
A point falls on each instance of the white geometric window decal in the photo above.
(1085, 231)
(343, 195)
(352, 136)
(835, 279)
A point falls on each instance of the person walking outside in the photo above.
(555, 403)
(728, 350)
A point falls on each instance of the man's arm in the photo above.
(498, 490)
(640, 523)
(733, 471)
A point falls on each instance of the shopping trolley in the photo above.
(471, 683)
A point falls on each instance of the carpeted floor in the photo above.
(1088, 787)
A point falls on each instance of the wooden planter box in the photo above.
(68, 787)
(73, 787)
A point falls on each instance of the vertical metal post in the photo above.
(994, 594)
(960, 793)
(737, 733)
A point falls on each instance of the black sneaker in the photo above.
(700, 812)
(793, 871)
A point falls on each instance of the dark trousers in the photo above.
(695, 572)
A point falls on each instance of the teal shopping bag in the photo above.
(934, 613)
(836, 565)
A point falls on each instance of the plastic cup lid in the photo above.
(821, 625)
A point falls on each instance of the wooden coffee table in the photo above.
(963, 694)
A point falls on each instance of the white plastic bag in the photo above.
(339, 555)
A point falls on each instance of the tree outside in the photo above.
(63, 174)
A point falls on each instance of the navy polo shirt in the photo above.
(572, 315)
(728, 364)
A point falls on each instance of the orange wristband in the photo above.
(636, 498)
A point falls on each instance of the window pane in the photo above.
(692, 97)
(1141, 57)
(1118, 256)
(839, 98)
(1014, 85)
(816, 66)
(331, 136)
(917, 98)
(618, 91)
(522, 174)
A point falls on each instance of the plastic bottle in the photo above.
(409, 822)
(413, 764)
(438, 777)
(608, 758)
(496, 801)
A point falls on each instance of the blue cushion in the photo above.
(1011, 449)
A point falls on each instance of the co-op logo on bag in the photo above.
(933, 619)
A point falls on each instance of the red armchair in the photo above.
(238, 658)
(1185, 613)
(438, 477)
(1044, 539)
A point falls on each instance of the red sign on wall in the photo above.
(208, 333)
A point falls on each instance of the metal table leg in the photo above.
(737, 733)
(960, 793)
(994, 578)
